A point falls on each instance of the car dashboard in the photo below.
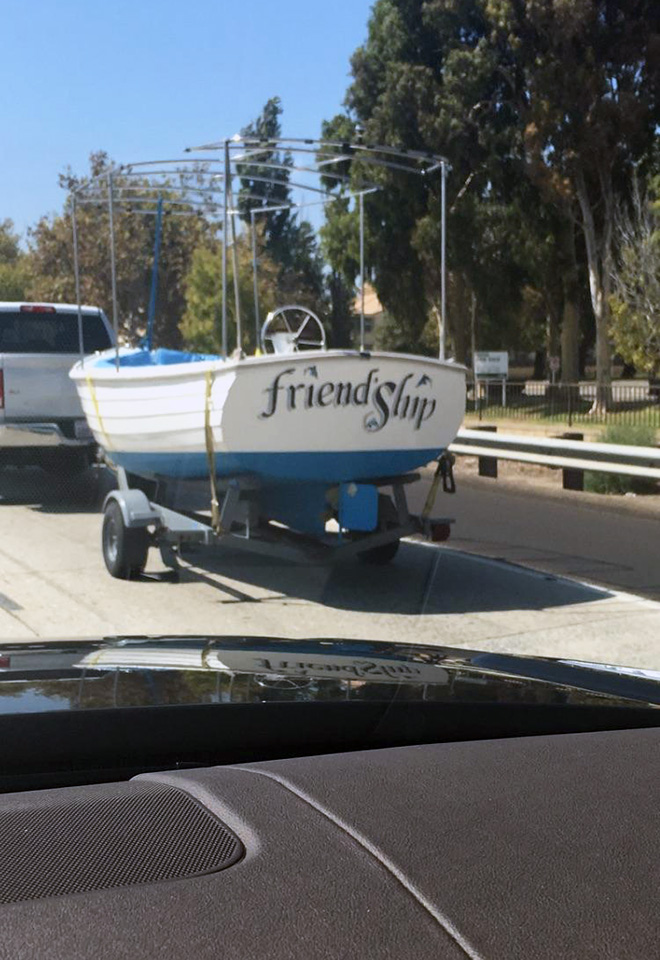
(291, 825)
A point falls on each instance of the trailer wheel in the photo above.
(387, 518)
(379, 556)
(125, 548)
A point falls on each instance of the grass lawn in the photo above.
(530, 415)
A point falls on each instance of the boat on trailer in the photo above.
(296, 434)
(331, 416)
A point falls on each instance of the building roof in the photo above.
(372, 305)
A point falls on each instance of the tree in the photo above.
(272, 168)
(289, 242)
(340, 248)
(584, 80)
(635, 302)
(13, 264)
(390, 261)
(542, 107)
(14, 280)
(9, 242)
(426, 79)
(203, 295)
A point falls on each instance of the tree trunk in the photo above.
(603, 353)
(552, 336)
(459, 324)
(598, 262)
(539, 365)
(473, 327)
(570, 322)
(570, 342)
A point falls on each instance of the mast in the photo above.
(151, 314)
(361, 272)
(113, 269)
(255, 280)
(225, 233)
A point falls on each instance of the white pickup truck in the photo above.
(41, 420)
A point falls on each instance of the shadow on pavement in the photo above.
(421, 580)
(54, 493)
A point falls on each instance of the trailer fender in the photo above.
(135, 507)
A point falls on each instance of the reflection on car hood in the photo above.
(153, 671)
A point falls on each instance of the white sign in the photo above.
(491, 363)
(554, 364)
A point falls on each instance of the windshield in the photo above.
(386, 303)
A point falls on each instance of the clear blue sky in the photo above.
(144, 79)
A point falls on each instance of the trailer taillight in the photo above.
(2, 389)
(440, 532)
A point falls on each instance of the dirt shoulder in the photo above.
(536, 481)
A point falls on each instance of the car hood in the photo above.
(155, 671)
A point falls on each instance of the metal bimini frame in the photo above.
(205, 185)
(199, 191)
(145, 199)
(247, 150)
(254, 211)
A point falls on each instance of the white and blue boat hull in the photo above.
(319, 417)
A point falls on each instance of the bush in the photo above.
(638, 436)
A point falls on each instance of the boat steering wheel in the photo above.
(289, 328)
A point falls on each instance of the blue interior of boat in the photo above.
(154, 358)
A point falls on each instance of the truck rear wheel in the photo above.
(125, 548)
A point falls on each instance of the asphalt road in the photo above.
(53, 582)
(588, 537)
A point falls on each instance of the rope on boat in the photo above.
(210, 455)
(95, 403)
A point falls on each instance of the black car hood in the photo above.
(118, 672)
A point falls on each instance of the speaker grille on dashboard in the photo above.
(54, 843)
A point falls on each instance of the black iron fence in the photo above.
(569, 403)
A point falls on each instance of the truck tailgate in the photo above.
(37, 386)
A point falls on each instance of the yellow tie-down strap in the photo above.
(95, 404)
(432, 494)
(443, 472)
(210, 454)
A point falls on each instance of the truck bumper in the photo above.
(43, 435)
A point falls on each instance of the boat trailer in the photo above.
(149, 512)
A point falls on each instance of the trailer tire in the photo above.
(125, 548)
(387, 518)
(379, 556)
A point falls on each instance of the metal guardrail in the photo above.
(568, 455)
